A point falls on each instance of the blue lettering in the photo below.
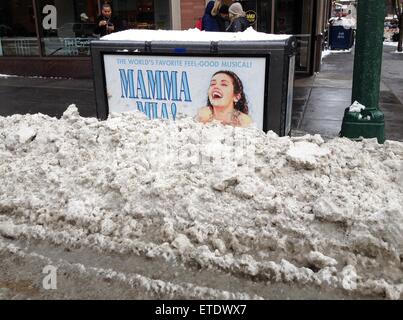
(151, 110)
(164, 111)
(140, 106)
(170, 85)
(141, 85)
(173, 110)
(154, 84)
(147, 110)
(127, 83)
(185, 88)
(154, 109)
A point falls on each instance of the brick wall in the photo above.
(191, 10)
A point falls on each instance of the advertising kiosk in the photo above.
(167, 73)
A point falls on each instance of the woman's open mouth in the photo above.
(216, 95)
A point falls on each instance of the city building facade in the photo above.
(52, 37)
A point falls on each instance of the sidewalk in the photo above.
(320, 100)
(45, 95)
(318, 106)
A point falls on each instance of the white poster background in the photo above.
(199, 71)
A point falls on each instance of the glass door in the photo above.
(265, 16)
(295, 17)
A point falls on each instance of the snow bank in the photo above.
(346, 23)
(237, 201)
(7, 76)
(191, 35)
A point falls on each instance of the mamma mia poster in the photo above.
(227, 89)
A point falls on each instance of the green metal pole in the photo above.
(368, 123)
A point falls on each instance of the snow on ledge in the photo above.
(390, 44)
(7, 76)
(192, 35)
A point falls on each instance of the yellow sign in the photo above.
(251, 16)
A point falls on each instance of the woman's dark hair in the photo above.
(242, 104)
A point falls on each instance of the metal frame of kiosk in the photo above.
(279, 74)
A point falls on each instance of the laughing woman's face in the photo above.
(221, 91)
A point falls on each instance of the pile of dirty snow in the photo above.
(232, 201)
(346, 23)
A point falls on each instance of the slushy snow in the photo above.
(235, 201)
(356, 107)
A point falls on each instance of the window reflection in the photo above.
(17, 29)
(143, 14)
(70, 32)
(67, 26)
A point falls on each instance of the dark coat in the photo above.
(102, 31)
(222, 23)
(210, 23)
(238, 24)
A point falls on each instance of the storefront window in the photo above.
(17, 29)
(67, 27)
(142, 14)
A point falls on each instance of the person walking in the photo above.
(237, 16)
(210, 17)
(223, 18)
